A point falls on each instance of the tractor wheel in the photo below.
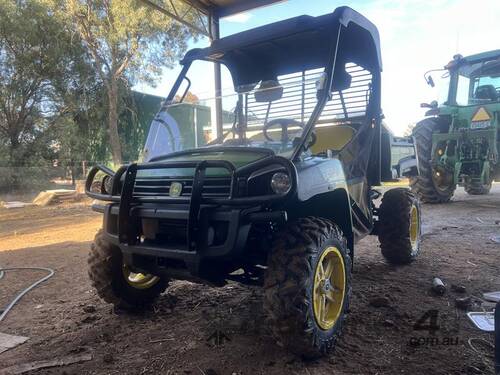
(431, 185)
(474, 188)
(116, 283)
(399, 226)
(308, 286)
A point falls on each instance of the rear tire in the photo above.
(305, 298)
(399, 226)
(425, 185)
(107, 275)
(475, 188)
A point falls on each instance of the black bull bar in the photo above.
(127, 232)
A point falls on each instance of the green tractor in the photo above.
(458, 143)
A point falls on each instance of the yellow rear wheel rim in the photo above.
(329, 288)
(414, 227)
(139, 280)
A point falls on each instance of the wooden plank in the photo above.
(15, 204)
(10, 341)
(63, 361)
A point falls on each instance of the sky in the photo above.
(416, 36)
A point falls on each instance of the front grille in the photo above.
(159, 186)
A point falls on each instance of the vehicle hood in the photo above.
(238, 156)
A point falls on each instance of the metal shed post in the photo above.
(215, 34)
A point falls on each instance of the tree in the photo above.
(27, 60)
(409, 129)
(41, 66)
(189, 98)
(128, 42)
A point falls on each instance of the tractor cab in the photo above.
(467, 81)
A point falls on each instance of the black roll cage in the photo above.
(344, 16)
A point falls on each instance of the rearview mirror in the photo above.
(268, 91)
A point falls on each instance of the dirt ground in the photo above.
(195, 329)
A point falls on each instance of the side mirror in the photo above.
(101, 183)
(341, 80)
(433, 104)
(430, 81)
(107, 184)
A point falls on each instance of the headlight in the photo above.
(281, 183)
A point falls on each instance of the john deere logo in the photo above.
(481, 119)
(175, 189)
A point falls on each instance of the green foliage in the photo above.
(128, 42)
(47, 85)
(125, 37)
(28, 61)
(66, 68)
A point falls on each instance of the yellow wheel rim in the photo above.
(414, 227)
(139, 280)
(329, 288)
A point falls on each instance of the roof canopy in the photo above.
(459, 60)
(484, 56)
(296, 44)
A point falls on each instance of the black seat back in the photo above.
(486, 92)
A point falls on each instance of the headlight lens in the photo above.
(281, 183)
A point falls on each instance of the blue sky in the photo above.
(416, 35)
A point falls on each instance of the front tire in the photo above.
(431, 185)
(399, 226)
(308, 286)
(474, 188)
(115, 283)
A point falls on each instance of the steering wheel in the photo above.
(285, 124)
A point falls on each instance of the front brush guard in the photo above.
(128, 232)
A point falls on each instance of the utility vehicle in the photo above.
(458, 143)
(403, 160)
(281, 197)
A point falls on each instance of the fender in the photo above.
(322, 191)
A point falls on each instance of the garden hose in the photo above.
(16, 299)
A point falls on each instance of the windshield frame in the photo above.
(243, 126)
(324, 94)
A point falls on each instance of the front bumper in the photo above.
(204, 228)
